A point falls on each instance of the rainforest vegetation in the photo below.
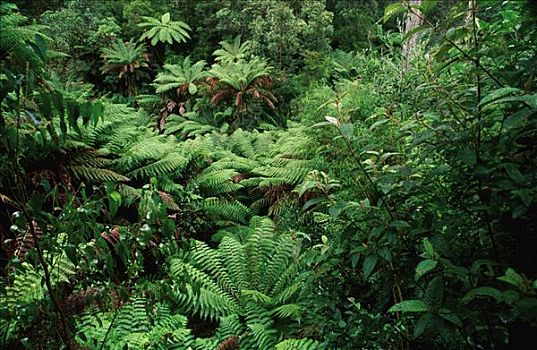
(268, 174)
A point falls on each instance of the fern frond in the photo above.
(209, 260)
(211, 301)
(239, 164)
(96, 174)
(280, 257)
(26, 287)
(291, 175)
(298, 344)
(284, 277)
(241, 145)
(8, 328)
(292, 290)
(259, 248)
(91, 329)
(134, 327)
(264, 335)
(230, 326)
(90, 159)
(233, 253)
(256, 296)
(247, 286)
(226, 209)
(289, 311)
(128, 191)
(171, 163)
(141, 150)
(61, 269)
(217, 182)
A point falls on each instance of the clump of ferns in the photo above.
(257, 277)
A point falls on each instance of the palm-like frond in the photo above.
(232, 51)
(181, 77)
(123, 57)
(241, 80)
(165, 30)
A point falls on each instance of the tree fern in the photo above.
(248, 280)
(180, 78)
(168, 164)
(123, 57)
(230, 210)
(217, 182)
(96, 174)
(189, 128)
(134, 326)
(232, 51)
(299, 344)
(165, 30)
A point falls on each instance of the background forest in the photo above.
(268, 174)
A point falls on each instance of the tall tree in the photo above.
(414, 19)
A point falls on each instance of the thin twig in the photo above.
(48, 283)
(110, 327)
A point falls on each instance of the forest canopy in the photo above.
(268, 174)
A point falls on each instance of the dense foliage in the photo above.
(268, 174)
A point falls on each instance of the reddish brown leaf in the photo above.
(218, 96)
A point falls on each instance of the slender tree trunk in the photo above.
(414, 19)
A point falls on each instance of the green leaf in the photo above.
(192, 89)
(410, 306)
(531, 100)
(450, 33)
(481, 292)
(450, 316)
(354, 259)
(424, 267)
(336, 209)
(312, 202)
(512, 278)
(424, 322)
(386, 254)
(370, 262)
(347, 130)
(428, 249)
(518, 118)
(378, 123)
(497, 94)
(399, 224)
(467, 156)
(392, 10)
(519, 211)
(165, 18)
(434, 293)
(514, 174)
(525, 195)
(415, 31)
(510, 296)
(115, 196)
(428, 5)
